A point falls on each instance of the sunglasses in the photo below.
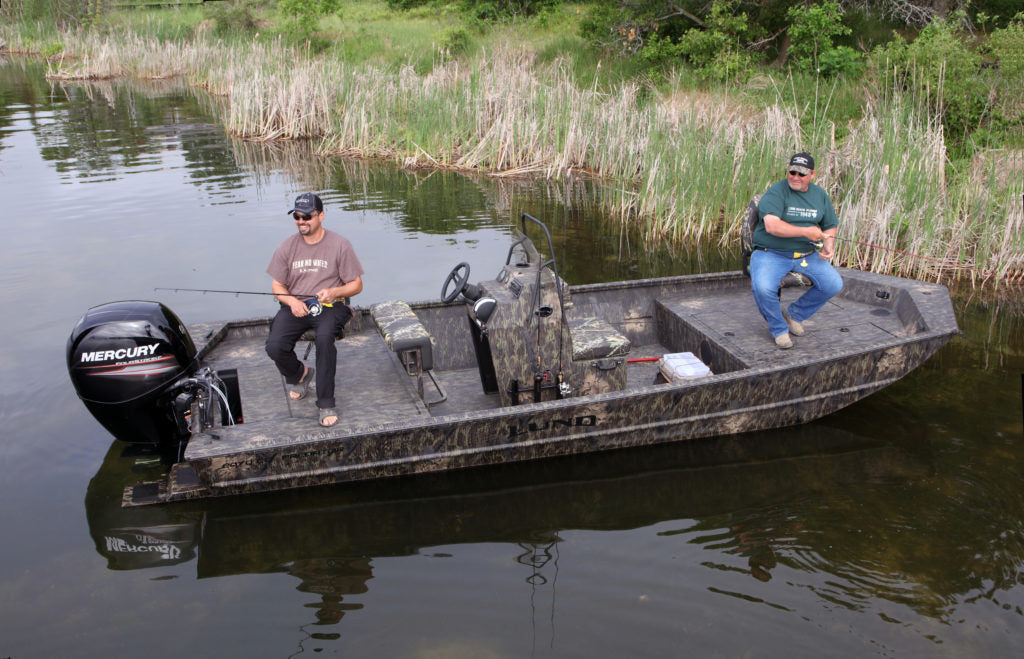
(302, 217)
(793, 172)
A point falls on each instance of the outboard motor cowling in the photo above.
(125, 360)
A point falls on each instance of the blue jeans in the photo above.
(768, 267)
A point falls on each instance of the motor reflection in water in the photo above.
(131, 541)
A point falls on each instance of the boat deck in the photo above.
(732, 320)
(372, 385)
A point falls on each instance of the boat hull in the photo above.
(744, 402)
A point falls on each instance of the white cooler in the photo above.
(678, 365)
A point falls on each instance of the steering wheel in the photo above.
(459, 275)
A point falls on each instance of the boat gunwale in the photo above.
(936, 331)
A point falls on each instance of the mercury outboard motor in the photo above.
(135, 367)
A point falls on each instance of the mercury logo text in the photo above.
(122, 353)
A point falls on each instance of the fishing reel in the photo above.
(820, 244)
(314, 306)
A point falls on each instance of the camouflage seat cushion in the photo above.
(595, 338)
(402, 329)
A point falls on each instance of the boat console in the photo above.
(529, 344)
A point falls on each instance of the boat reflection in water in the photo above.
(328, 538)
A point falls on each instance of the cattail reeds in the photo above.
(681, 164)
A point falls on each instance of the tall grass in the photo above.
(705, 157)
(683, 164)
(891, 192)
(904, 212)
(990, 203)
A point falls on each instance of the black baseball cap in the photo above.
(307, 203)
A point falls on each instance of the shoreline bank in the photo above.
(506, 114)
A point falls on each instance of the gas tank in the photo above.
(124, 359)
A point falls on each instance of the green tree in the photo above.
(717, 49)
(812, 30)
(940, 66)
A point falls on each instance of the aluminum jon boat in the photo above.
(519, 367)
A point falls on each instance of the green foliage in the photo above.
(52, 49)
(300, 31)
(307, 9)
(597, 21)
(716, 51)
(62, 13)
(487, 10)
(1006, 47)
(661, 51)
(840, 60)
(867, 31)
(301, 18)
(454, 41)
(664, 35)
(177, 23)
(999, 13)
(406, 4)
(939, 66)
(812, 30)
(232, 18)
(496, 10)
(626, 25)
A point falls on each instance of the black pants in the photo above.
(285, 331)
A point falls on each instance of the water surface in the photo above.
(891, 528)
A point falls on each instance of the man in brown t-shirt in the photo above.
(313, 262)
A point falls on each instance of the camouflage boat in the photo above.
(519, 367)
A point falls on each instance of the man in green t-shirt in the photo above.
(794, 215)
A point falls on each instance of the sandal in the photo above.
(302, 386)
(326, 412)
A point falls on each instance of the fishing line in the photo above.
(959, 266)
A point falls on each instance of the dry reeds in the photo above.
(683, 165)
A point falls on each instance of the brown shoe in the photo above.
(783, 341)
(796, 328)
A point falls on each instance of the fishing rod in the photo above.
(952, 264)
(315, 306)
